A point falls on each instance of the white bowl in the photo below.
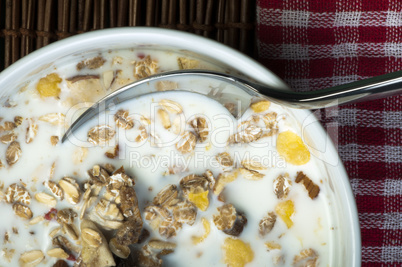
(346, 236)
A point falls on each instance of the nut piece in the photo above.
(282, 186)
(306, 258)
(123, 120)
(251, 175)
(312, 189)
(224, 159)
(95, 256)
(120, 251)
(101, 134)
(186, 143)
(201, 128)
(31, 258)
(267, 223)
(22, 211)
(164, 118)
(13, 153)
(84, 88)
(71, 190)
(57, 253)
(91, 237)
(171, 106)
(16, 193)
(229, 220)
(45, 199)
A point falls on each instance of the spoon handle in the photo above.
(363, 90)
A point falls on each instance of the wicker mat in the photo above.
(26, 25)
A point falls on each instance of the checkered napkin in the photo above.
(314, 44)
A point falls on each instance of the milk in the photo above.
(148, 164)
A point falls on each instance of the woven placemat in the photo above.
(26, 25)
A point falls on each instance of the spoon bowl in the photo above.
(226, 88)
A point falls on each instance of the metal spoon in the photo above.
(229, 88)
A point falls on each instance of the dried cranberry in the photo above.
(71, 257)
(51, 215)
(141, 55)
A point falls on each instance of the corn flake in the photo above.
(292, 148)
(237, 253)
(48, 86)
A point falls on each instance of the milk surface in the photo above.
(148, 163)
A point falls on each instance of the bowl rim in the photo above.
(83, 42)
(170, 37)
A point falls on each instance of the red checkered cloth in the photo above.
(314, 44)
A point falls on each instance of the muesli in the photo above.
(168, 178)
